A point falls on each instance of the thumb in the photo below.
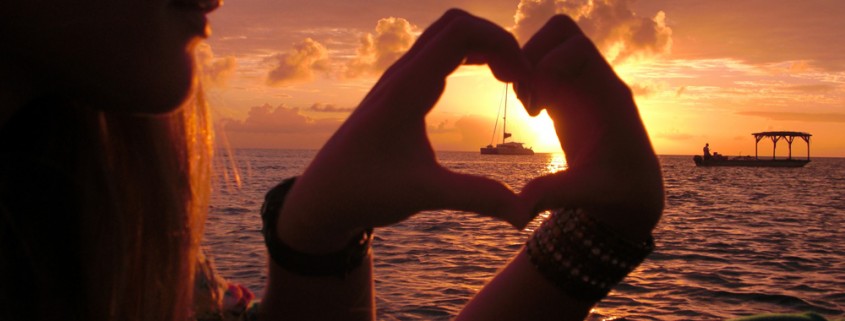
(567, 188)
(480, 195)
(632, 211)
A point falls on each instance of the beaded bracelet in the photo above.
(581, 256)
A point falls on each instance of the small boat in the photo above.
(505, 148)
(748, 161)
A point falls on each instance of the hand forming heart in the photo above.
(613, 171)
(379, 167)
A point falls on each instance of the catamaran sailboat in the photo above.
(505, 148)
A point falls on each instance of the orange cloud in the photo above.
(298, 64)
(392, 38)
(213, 71)
(644, 89)
(277, 127)
(279, 119)
(468, 132)
(329, 108)
(796, 116)
(615, 29)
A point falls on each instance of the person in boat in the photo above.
(707, 151)
(104, 182)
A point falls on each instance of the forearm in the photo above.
(311, 277)
(520, 292)
(570, 262)
(290, 296)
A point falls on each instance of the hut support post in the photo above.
(807, 140)
(789, 140)
(775, 140)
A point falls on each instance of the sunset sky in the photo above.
(285, 74)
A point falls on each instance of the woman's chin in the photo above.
(148, 95)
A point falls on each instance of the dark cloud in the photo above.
(298, 64)
(797, 116)
(611, 24)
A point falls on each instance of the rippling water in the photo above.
(733, 241)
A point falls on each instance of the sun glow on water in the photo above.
(557, 163)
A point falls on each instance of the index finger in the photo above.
(467, 35)
(559, 29)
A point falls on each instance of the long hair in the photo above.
(157, 172)
(133, 222)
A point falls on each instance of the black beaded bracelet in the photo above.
(339, 263)
(581, 256)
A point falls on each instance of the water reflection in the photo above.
(732, 241)
(557, 163)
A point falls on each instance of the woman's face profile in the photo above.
(131, 55)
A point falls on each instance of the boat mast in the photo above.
(505, 133)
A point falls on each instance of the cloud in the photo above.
(797, 116)
(329, 108)
(279, 120)
(530, 16)
(298, 64)
(644, 89)
(615, 29)
(812, 89)
(759, 32)
(467, 132)
(377, 51)
(213, 71)
(475, 130)
(674, 135)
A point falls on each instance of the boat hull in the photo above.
(509, 148)
(505, 151)
(699, 161)
(489, 151)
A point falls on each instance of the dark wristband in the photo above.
(338, 263)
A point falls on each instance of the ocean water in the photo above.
(732, 242)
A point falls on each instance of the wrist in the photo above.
(582, 256)
(627, 223)
(302, 231)
(321, 253)
(312, 227)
